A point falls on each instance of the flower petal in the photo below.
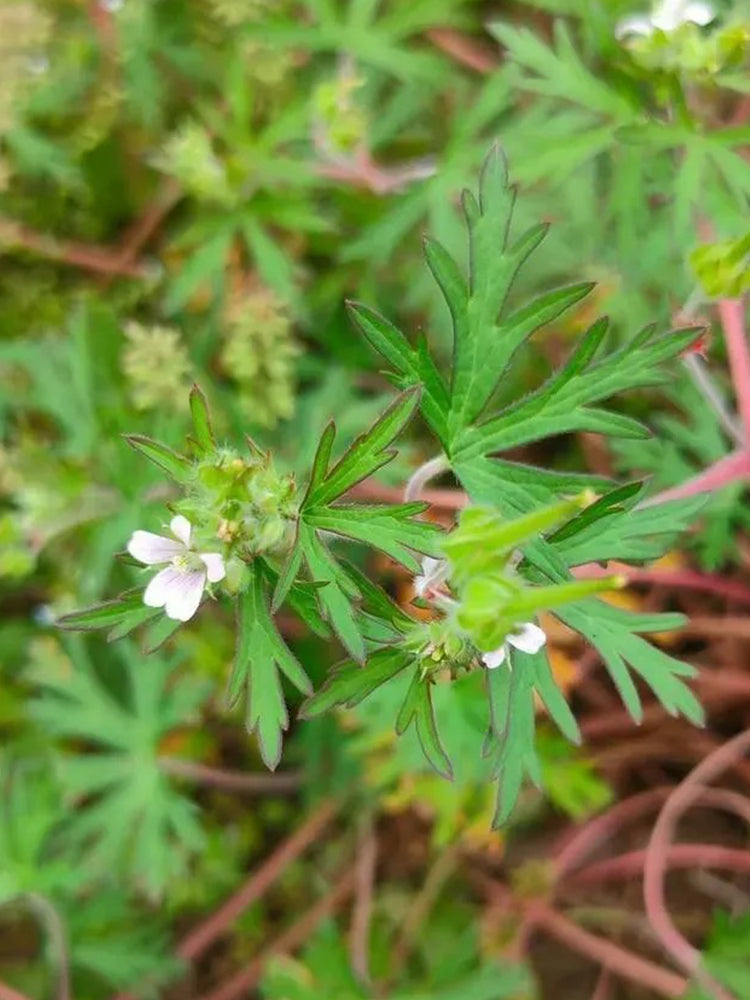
(636, 25)
(181, 528)
(529, 638)
(185, 594)
(158, 591)
(152, 549)
(496, 658)
(214, 563)
(699, 13)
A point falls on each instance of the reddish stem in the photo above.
(239, 781)
(727, 470)
(658, 849)
(101, 260)
(630, 864)
(8, 993)
(199, 939)
(245, 981)
(611, 956)
(732, 314)
(464, 50)
(588, 838)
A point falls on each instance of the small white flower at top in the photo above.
(668, 15)
(528, 638)
(178, 588)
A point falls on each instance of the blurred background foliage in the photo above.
(189, 191)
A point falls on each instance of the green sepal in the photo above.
(204, 436)
(176, 466)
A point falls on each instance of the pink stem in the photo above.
(732, 314)
(658, 849)
(727, 470)
(631, 864)
(8, 993)
(624, 963)
(589, 837)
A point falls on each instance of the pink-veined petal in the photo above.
(153, 549)
(158, 591)
(214, 563)
(185, 594)
(181, 528)
(529, 638)
(494, 659)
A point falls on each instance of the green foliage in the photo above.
(726, 955)
(191, 191)
(130, 812)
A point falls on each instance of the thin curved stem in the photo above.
(658, 850)
(423, 475)
(55, 930)
(712, 394)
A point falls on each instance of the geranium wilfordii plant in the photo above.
(241, 532)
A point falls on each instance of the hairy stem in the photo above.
(714, 397)
(727, 470)
(423, 475)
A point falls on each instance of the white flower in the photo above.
(529, 638)
(434, 572)
(177, 588)
(667, 15)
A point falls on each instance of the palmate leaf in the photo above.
(260, 657)
(392, 528)
(485, 340)
(133, 821)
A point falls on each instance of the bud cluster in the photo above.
(242, 501)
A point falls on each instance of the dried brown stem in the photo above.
(359, 935)
(89, 257)
(464, 50)
(284, 783)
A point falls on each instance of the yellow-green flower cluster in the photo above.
(340, 123)
(188, 155)
(259, 352)
(233, 13)
(723, 268)
(25, 31)
(156, 365)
